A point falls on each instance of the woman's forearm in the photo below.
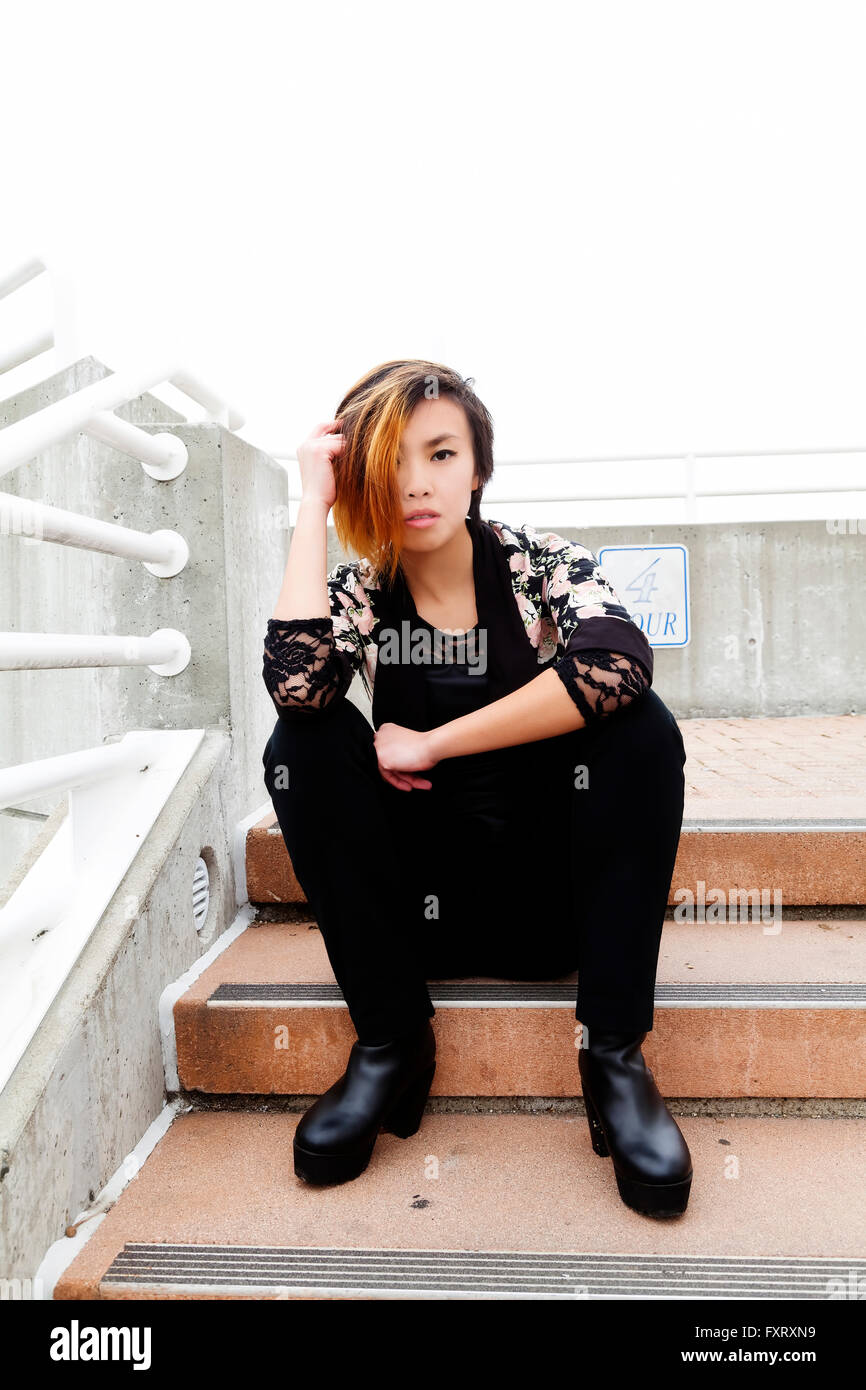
(304, 593)
(542, 708)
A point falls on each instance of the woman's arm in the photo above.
(539, 709)
(543, 707)
(311, 650)
(304, 593)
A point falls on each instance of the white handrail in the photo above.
(62, 332)
(217, 407)
(670, 456)
(115, 794)
(166, 651)
(20, 274)
(162, 456)
(689, 492)
(27, 438)
(15, 353)
(631, 495)
(163, 553)
(678, 457)
(44, 776)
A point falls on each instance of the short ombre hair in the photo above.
(367, 511)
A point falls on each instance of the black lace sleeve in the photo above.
(303, 668)
(600, 681)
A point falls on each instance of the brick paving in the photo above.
(801, 767)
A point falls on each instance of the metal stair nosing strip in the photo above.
(386, 1273)
(741, 824)
(534, 994)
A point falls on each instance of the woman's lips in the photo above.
(421, 520)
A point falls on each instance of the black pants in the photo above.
(403, 894)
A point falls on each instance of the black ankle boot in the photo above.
(629, 1122)
(383, 1086)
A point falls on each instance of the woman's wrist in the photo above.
(437, 741)
(304, 592)
(311, 503)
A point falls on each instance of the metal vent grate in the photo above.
(200, 893)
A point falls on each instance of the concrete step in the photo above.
(481, 1206)
(742, 1009)
(771, 804)
(812, 863)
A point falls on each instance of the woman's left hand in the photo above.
(401, 753)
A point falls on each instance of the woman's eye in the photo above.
(450, 452)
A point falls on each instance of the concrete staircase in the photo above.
(759, 1047)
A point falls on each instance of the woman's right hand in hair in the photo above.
(315, 457)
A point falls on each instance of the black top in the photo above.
(476, 787)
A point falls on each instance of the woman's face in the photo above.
(436, 472)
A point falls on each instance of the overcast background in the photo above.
(639, 226)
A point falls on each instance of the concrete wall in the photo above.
(229, 504)
(91, 1081)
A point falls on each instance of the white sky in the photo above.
(639, 227)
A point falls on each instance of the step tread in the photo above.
(810, 952)
(737, 1013)
(501, 1188)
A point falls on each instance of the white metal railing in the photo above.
(166, 651)
(15, 354)
(19, 274)
(163, 456)
(164, 553)
(61, 333)
(688, 490)
(115, 794)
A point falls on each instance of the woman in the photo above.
(507, 682)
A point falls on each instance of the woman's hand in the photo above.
(316, 459)
(401, 753)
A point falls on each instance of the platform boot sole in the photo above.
(650, 1199)
(403, 1119)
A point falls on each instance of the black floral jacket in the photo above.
(573, 618)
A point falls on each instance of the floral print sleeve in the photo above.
(607, 661)
(309, 663)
